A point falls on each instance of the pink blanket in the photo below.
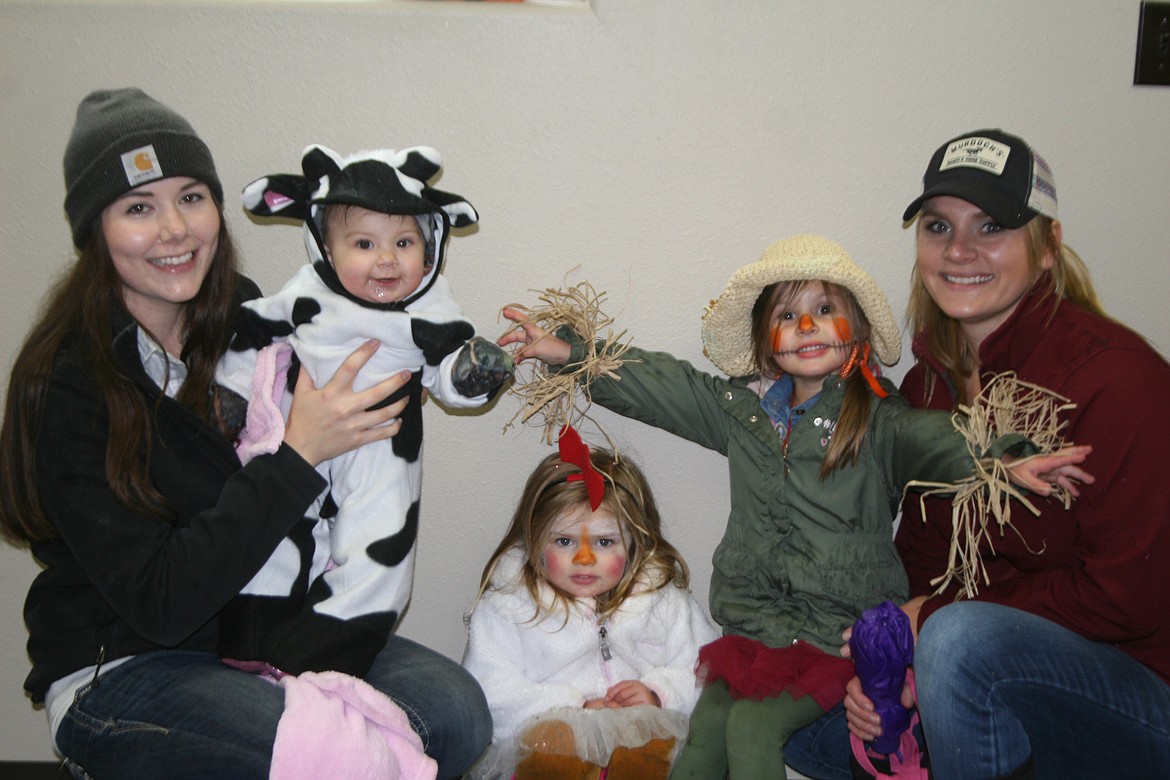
(340, 727)
(264, 425)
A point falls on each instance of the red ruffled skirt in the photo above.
(752, 670)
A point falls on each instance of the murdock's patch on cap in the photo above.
(141, 165)
(976, 152)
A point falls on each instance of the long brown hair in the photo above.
(857, 403)
(651, 561)
(77, 309)
(1068, 280)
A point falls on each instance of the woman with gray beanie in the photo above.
(119, 473)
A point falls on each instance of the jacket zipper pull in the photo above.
(605, 654)
(97, 668)
(784, 457)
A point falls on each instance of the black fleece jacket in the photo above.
(117, 582)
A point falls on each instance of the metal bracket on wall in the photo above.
(1152, 64)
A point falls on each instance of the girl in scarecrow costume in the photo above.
(820, 448)
(375, 231)
(585, 636)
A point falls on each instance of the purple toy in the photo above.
(882, 647)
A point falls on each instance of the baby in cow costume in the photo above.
(331, 593)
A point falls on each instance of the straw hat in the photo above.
(727, 322)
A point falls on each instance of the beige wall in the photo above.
(650, 146)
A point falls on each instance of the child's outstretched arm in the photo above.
(1040, 472)
(538, 343)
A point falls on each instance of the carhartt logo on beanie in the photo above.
(123, 138)
(141, 165)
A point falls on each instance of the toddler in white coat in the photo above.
(585, 636)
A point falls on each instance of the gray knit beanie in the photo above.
(122, 139)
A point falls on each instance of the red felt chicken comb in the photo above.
(576, 452)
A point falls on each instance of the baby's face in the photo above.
(585, 555)
(378, 257)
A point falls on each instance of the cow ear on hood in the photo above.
(420, 162)
(459, 212)
(278, 195)
(318, 162)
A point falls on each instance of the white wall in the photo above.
(653, 145)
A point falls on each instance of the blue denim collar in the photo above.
(776, 404)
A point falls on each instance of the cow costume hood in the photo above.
(385, 180)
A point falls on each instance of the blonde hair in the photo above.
(857, 405)
(651, 562)
(1068, 280)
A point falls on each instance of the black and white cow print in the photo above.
(333, 590)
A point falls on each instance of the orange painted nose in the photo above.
(585, 556)
(806, 322)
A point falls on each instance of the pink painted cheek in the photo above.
(843, 329)
(616, 567)
(552, 566)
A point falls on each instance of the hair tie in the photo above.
(867, 372)
(576, 452)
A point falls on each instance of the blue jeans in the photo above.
(177, 714)
(997, 685)
(821, 750)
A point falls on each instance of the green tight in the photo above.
(742, 736)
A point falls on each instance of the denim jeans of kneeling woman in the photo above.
(177, 714)
(997, 685)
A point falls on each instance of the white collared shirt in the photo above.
(160, 364)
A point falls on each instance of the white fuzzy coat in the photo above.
(526, 668)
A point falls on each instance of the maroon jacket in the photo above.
(1104, 566)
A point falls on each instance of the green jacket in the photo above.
(801, 557)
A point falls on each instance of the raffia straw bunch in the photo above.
(1005, 406)
(561, 397)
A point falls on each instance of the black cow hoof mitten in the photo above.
(480, 367)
